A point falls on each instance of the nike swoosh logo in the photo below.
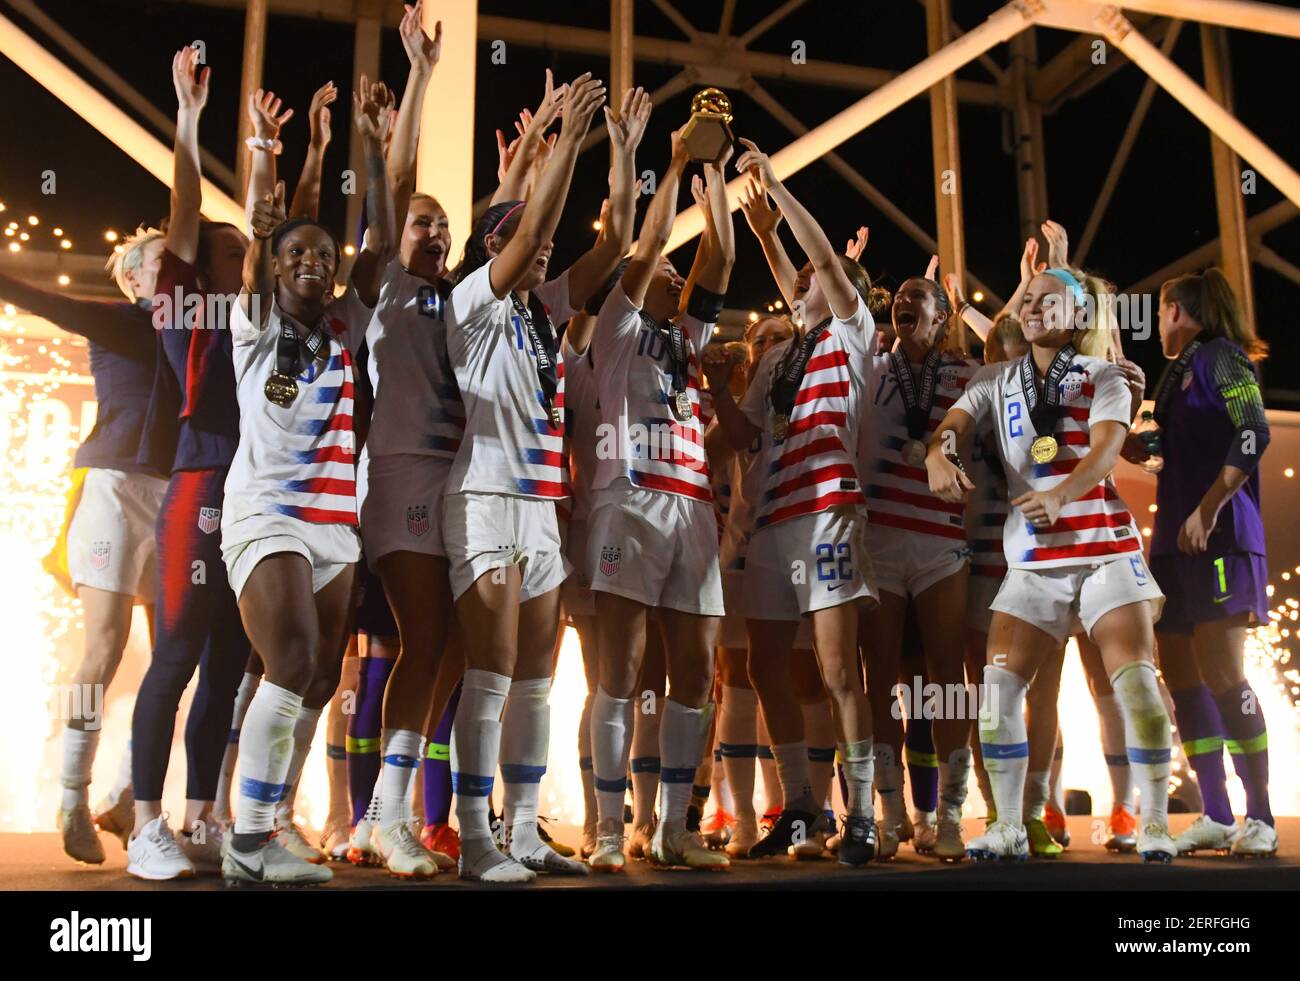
(831, 589)
(1221, 599)
(252, 873)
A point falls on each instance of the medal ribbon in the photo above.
(1044, 412)
(917, 405)
(544, 347)
(286, 347)
(678, 356)
(789, 374)
(1171, 380)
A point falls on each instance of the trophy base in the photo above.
(707, 137)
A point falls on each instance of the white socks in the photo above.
(646, 762)
(681, 745)
(796, 782)
(859, 766)
(1004, 740)
(954, 777)
(78, 759)
(265, 746)
(737, 738)
(475, 751)
(1147, 733)
(889, 785)
(401, 753)
(525, 738)
(304, 731)
(611, 720)
(247, 687)
(1113, 747)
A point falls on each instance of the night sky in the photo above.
(1163, 208)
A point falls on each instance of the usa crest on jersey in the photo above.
(209, 520)
(100, 553)
(417, 519)
(1071, 386)
(611, 557)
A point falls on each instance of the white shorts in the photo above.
(483, 532)
(979, 602)
(734, 633)
(1052, 599)
(907, 563)
(809, 563)
(576, 593)
(656, 548)
(329, 548)
(111, 535)
(399, 499)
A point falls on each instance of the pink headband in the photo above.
(504, 218)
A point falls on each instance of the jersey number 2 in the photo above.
(1013, 419)
(829, 568)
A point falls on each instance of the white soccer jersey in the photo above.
(898, 493)
(300, 460)
(987, 508)
(813, 468)
(580, 418)
(1097, 525)
(417, 404)
(510, 445)
(641, 438)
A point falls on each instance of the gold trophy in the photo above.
(707, 134)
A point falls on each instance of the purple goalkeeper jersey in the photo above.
(1215, 418)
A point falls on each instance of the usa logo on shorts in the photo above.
(99, 554)
(610, 558)
(209, 520)
(417, 520)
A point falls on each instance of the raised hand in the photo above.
(268, 213)
(264, 111)
(505, 154)
(551, 105)
(1029, 264)
(758, 164)
(932, 268)
(630, 120)
(1058, 244)
(191, 84)
(372, 117)
(955, 295)
(318, 116)
(764, 216)
(582, 97)
(858, 244)
(422, 51)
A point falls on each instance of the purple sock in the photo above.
(1246, 736)
(363, 732)
(437, 766)
(922, 765)
(1201, 731)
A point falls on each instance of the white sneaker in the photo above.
(272, 864)
(361, 846)
(154, 854)
(673, 845)
(204, 855)
(293, 841)
(1206, 834)
(530, 851)
(925, 832)
(334, 839)
(1155, 844)
(948, 846)
(1000, 842)
(1257, 840)
(491, 866)
(402, 852)
(608, 855)
(80, 840)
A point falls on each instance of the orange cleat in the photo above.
(441, 838)
(1122, 835)
(1055, 822)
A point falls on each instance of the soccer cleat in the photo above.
(118, 818)
(1257, 840)
(79, 838)
(403, 855)
(744, 836)
(812, 845)
(292, 840)
(203, 850)
(442, 839)
(608, 855)
(717, 828)
(561, 849)
(639, 843)
(991, 818)
(1123, 827)
(925, 832)
(541, 857)
(680, 846)
(857, 840)
(1056, 826)
(1000, 843)
(768, 821)
(271, 864)
(907, 830)
(1207, 835)
(948, 844)
(334, 839)
(154, 854)
(588, 841)
(361, 848)
(495, 868)
(1041, 842)
(887, 842)
(1155, 845)
(790, 825)
(693, 817)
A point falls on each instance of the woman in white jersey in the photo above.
(805, 557)
(500, 529)
(288, 528)
(1060, 418)
(652, 536)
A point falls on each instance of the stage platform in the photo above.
(37, 862)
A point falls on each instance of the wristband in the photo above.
(263, 143)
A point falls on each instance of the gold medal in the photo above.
(1043, 449)
(914, 452)
(281, 389)
(682, 406)
(780, 426)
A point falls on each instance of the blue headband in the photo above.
(1069, 279)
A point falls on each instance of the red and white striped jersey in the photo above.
(297, 460)
(1092, 528)
(987, 508)
(510, 446)
(898, 493)
(813, 468)
(580, 419)
(639, 437)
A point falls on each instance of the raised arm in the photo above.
(306, 196)
(840, 294)
(537, 227)
(264, 111)
(715, 269)
(656, 226)
(971, 317)
(187, 190)
(626, 128)
(259, 277)
(373, 121)
(423, 52)
(764, 219)
(530, 146)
